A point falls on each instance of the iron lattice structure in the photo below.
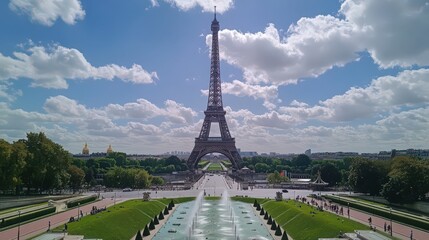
(204, 144)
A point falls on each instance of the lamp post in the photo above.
(78, 213)
(19, 222)
(391, 226)
(348, 209)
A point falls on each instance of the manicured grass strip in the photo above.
(381, 211)
(81, 201)
(300, 223)
(121, 221)
(26, 216)
(249, 199)
(215, 167)
(226, 163)
(212, 198)
(22, 208)
(203, 163)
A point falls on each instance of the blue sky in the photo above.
(327, 75)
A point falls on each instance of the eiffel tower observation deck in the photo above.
(204, 143)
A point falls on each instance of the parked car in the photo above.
(127, 190)
(285, 190)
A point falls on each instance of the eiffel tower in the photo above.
(204, 144)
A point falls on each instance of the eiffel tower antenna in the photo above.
(204, 144)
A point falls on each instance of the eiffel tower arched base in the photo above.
(214, 145)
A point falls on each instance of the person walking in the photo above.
(385, 226)
(49, 226)
(411, 235)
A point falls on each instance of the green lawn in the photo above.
(214, 167)
(227, 163)
(300, 224)
(121, 221)
(203, 163)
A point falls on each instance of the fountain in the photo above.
(214, 219)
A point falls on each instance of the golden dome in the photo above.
(109, 149)
(85, 149)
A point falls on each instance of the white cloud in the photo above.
(409, 88)
(52, 67)
(237, 88)
(273, 120)
(7, 92)
(207, 5)
(47, 12)
(396, 31)
(143, 109)
(312, 47)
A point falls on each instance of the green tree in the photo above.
(77, 176)
(276, 178)
(367, 176)
(47, 163)
(301, 162)
(12, 160)
(141, 179)
(261, 168)
(408, 180)
(120, 158)
(330, 173)
(157, 181)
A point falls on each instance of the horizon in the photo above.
(295, 75)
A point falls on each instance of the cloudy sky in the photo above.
(332, 75)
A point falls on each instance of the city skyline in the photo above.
(330, 76)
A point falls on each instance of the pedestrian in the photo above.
(65, 227)
(411, 235)
(49, 226)
(385, 226)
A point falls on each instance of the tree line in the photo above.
(402, 179)
(39, 165)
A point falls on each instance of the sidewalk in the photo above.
(34, 228)
(400, 230)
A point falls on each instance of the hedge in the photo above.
(382, 212)
(26, 216)
(81, 201)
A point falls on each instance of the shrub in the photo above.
(138, 236)
(81, 201)
(270, 220)
(284, 236)
(146, 231)
(27, 216)
(274, 225)
(278, 231)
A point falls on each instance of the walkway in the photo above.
(34, 228)
(400, 230)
